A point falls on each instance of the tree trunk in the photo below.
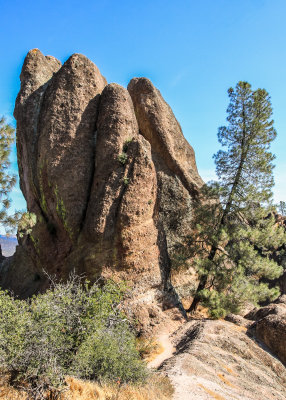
(203, 282)
(212, 253)
(197, 299)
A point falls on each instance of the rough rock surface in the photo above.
(218, 360)
(270, 326)
(108, 173)
(238, 320)
(178, 180)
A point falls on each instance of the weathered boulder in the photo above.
(258, 313)
(108, 173)
(218, 360)
(270, 326)
(281, 299)
(238, 320)
(272, 331)
(159, 126)
(56, 112)
(66, 142)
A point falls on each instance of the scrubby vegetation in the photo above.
(74, 329)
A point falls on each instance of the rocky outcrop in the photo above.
(270, 326)
(178, 180)
(218, 360)
(108, 173)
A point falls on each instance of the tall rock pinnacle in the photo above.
(106, 170)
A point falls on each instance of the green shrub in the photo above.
(72, 329)
(125, 180)
(127, 143)
(110, 353)
(122, 158)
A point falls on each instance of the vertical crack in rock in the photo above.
(115, 125)
(84, 214)
(111, 210)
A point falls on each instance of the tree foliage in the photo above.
(282, 208)
(234, 229)
(7, 180)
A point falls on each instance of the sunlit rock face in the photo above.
(222, 360)
(106, 170)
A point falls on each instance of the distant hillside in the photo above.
(8, 244)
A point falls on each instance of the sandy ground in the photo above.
(165, 341)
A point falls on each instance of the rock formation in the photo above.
(218, 360)
(270, 326)
(106, 170)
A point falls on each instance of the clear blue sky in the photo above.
(192, 50)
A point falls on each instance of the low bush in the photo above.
(72, 329)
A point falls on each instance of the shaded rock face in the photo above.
(106, 170)
(178, 180)
(270, 326)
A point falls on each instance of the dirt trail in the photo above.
(183, 390)
(164, 340)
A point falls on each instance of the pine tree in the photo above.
(234, 230)
(7, 180)
(282, 208)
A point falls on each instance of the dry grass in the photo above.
(7, 392)
(149, 348)
(158, 387)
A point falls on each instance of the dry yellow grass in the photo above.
(149, 348)
(157, 388)
(9, 393)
